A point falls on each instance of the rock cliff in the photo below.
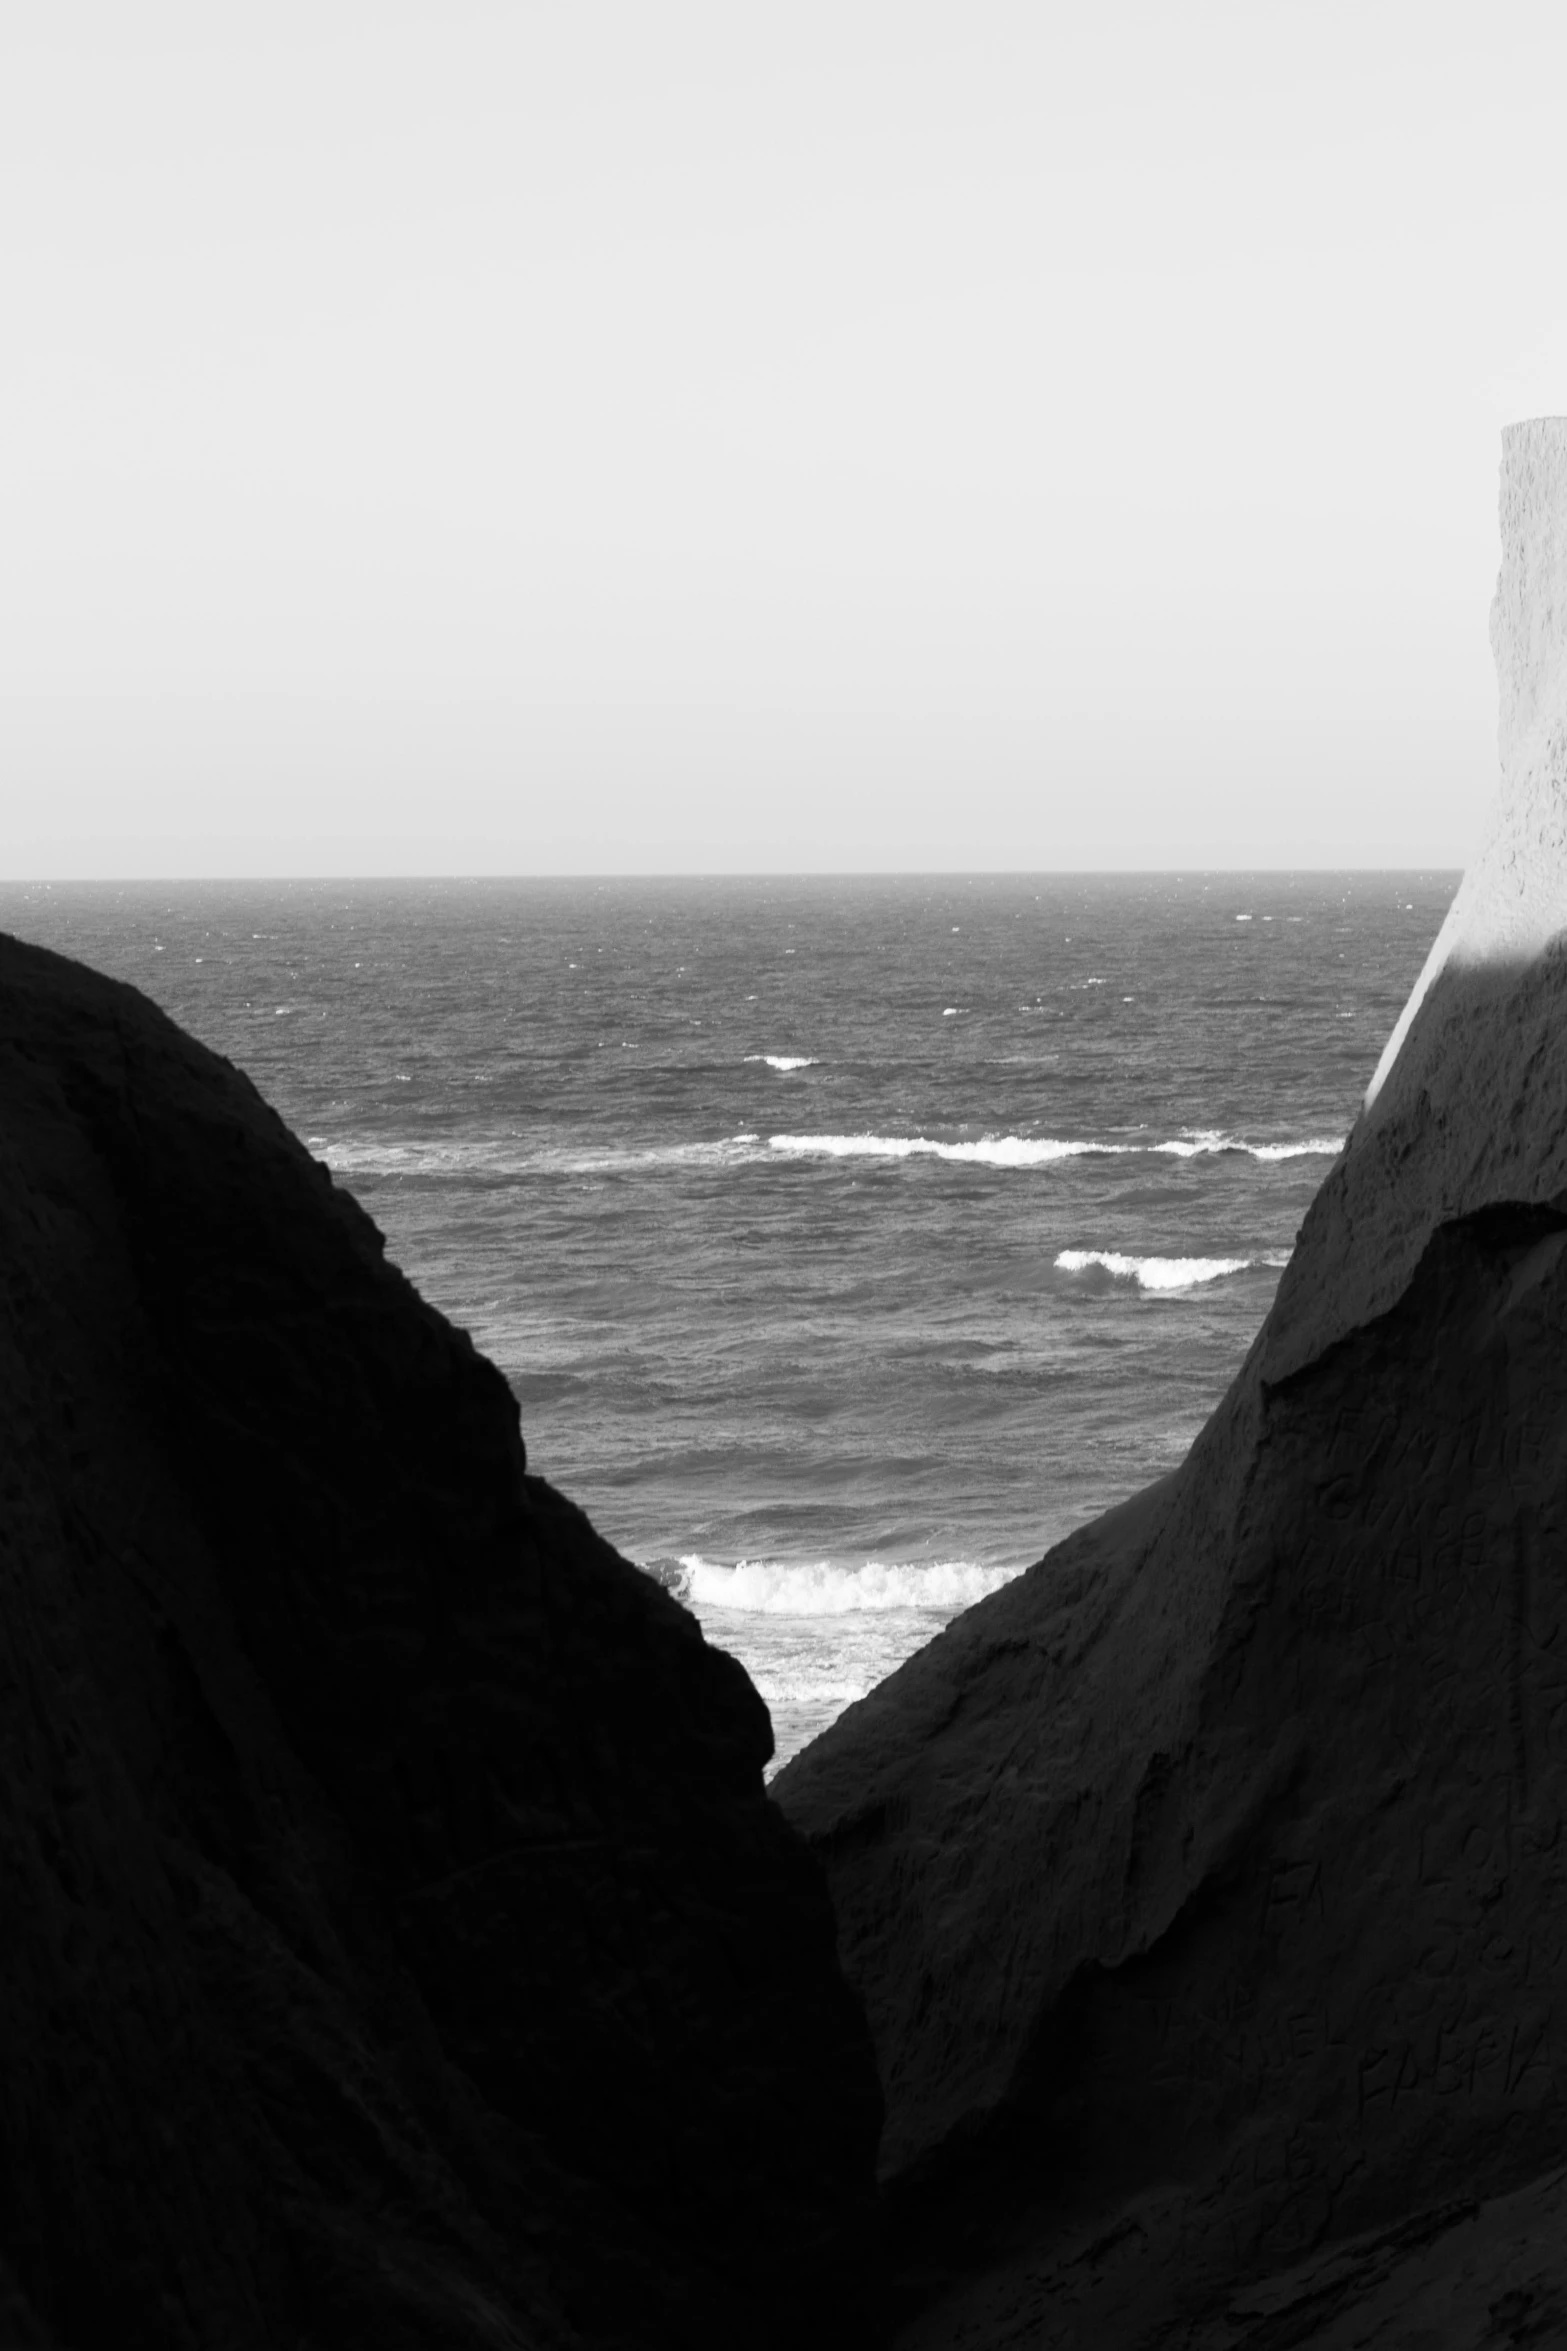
(1207, 1887)
(399, 1949)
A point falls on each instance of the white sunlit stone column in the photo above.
(1468, 1105)
(1512, 901)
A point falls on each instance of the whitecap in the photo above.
(990, 1151)
(1043, 1150)
(504, 1156)
(1199, 1142)
(785, 1060)
(1162, 1273)
(1318, 1147)
(825, 1587)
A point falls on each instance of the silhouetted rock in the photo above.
(1207, 1887)
(399, 1948)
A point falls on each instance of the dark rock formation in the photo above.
(399, 1948)
(1207, 1887)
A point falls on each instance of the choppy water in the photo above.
(845, 1243)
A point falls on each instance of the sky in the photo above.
(664, 437)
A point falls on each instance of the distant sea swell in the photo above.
(500, 1156)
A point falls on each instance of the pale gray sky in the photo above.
(657, 436)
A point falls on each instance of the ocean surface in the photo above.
(846, 1243)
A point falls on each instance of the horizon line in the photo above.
(999, 873)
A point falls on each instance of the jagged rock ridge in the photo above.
(1207, 1887)
(400, 1948)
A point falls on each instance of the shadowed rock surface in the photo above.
(399, 1949)
(1207, 1887)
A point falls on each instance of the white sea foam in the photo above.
(1043, 1150)
(507, 1156)
(823, 1587)
(1199, 1142)
(1319, 1147)
(785, 1060)
(990, 1151)
(1163, 1273)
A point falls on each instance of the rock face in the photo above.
(399, 1948)
(1207, 1887)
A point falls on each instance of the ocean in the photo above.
(846, 1243)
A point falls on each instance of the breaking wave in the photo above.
(1043, 1150)
(990, 1151)
(772, 1588)
(505, 1156)
(1164, 1273)
(785, 1060)
(1201, 1142)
